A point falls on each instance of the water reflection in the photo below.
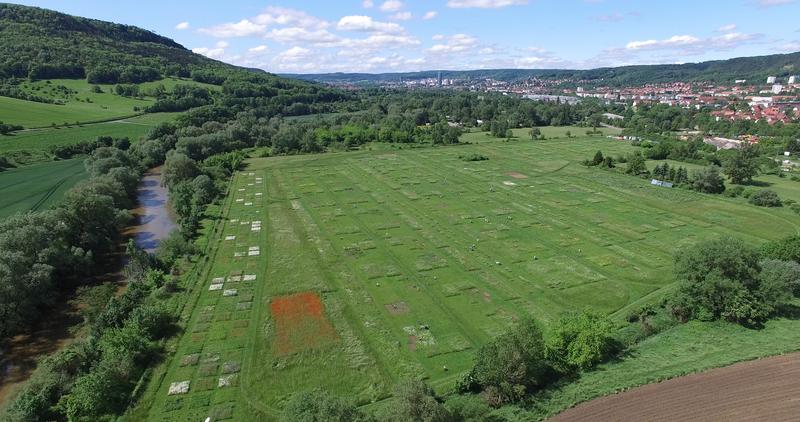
(154, 220)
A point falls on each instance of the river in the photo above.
(154, 219)
(153, 222)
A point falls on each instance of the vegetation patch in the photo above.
(300, 323)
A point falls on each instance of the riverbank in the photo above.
(61, 325)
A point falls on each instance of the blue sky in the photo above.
(395, 35)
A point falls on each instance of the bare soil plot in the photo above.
(765, 389)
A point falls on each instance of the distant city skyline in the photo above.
(397, 36)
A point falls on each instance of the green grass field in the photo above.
(82, 105)
(38, 186)
(418, 258)
(33, 145)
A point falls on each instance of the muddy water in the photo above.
(154, 221)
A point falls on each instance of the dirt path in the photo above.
(764, 389)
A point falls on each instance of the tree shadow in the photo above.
(789, 310)
(758, 183)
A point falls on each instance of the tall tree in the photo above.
(742, 166)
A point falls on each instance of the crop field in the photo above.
(81, 104)
(351, 271)
(38, 186)
(33, 145)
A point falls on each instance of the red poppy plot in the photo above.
(300, 323)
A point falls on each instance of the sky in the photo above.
(376, 36)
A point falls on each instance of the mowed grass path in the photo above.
(419, 258)
(38, 186)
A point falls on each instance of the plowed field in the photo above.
(764, 389)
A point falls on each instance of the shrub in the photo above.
(415, 401)
(319, 405)
(510, 365)
(579, 341)
(734, 191)
(786, 249)
(473, 157)
(637, 165)
(723, 279)
(766, 198)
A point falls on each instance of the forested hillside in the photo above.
(44, 44)
(758, 67)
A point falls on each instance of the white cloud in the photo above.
(530, 61)
(366, 24)
(731, 40)
(455, 44)
(181, 26)
(672, 42)
(430, 15)
(689, 44)
(379, 41)
(284, 16)
(222, 44)
(258, 49)
(214, 53)
(771, 3)
(484, 4)
(534, 49)
(391, 5)
(294, 35)
(294, 54)
(367, 4)
(401, 16)
(727, 28)
(789, 47)
(243, 28)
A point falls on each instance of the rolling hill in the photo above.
(719, 71)
(46, 44)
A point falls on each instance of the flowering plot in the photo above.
(300, 323)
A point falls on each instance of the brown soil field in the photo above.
(760, 390)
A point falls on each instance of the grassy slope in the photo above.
(38, 186)
(101, 106)
(33, 145)
(374, 228)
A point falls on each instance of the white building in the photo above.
(777, 88)
(770, 79)
(762, 101)
(792, 79)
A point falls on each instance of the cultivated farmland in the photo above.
(38, 186)
(764, 389)
(351, 271)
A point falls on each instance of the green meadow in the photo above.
(80, 103)
(33, 145)
(418, 258)
(38, 186)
